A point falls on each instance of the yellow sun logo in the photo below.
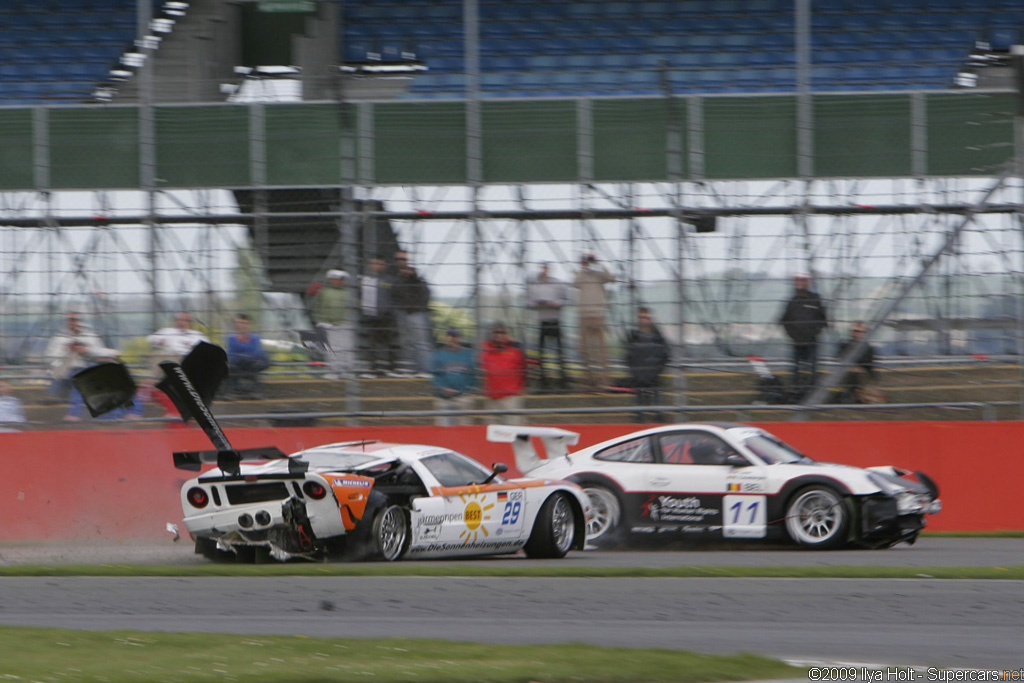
(474, 516)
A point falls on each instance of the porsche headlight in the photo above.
(908, 502)
(887, 485)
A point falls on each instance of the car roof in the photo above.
(380, 449)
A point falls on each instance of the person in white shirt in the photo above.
(68, 352)
(547, 295)
(177, 341)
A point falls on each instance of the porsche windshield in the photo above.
(335, 460)
(771, 450)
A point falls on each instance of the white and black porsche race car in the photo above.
(727, 480)
(363, 500)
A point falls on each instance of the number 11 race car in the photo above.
(725, 480)
(357, 500)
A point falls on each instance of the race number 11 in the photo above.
(743, 516)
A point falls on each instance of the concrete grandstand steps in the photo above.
(284, 394)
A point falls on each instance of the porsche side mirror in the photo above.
(736, 460)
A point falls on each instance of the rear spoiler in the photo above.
(227, 459)
(191, 386)
(556, 443)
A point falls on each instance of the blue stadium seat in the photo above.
(642, 82)
(1001, 38)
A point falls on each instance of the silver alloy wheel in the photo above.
(563, 524)
(392, 530)
(815, 517)
(605, 512)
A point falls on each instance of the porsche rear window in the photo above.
(636, 450)
(240, 494)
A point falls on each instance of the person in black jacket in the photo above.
(804, 319)
(856, 383)
(412, 308)
(647, 356)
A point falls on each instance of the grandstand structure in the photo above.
(201, 154)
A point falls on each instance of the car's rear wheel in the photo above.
(816, 518)
(390, 533)
(554, 530)
(605, 516)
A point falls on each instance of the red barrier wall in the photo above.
(120, 485)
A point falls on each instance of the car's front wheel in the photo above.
(390, 533)
(816, 518)
(554, 530)
(605, 516)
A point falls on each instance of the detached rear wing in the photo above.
(556, 443)
(191, 385)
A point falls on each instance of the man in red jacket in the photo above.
(503, 364)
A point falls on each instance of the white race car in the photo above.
(372, 500)
(359, 499)
(727, 480)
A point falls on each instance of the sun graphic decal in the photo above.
(475, 515)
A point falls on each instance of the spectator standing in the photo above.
(12, 410)
(68, 352)
(547, 295)
(856, 383)
(378, 317)
(412, 309)
(246, 359)
(332, 314)
(454, 372)
(503, 365)
(804, 319)
(173, 343)
(647, 356)
(592, 301)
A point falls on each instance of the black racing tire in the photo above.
(604, 528)
(390, 533)
(554, 530)
(817, 518)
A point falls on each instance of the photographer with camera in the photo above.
(591, 302)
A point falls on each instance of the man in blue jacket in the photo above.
(454, 371)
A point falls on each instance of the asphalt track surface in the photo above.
(920, 621)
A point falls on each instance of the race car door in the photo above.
(468, 515)
(699, 494)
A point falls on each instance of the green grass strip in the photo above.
(555, 569)
(36, 654)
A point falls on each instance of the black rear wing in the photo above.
(191, 385)
(227, 460)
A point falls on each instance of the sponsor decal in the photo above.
(361, 483)
(475, 514)
(745, 483)
(663, 508)
(445, 547)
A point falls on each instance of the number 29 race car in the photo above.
(725, 480)
(357, 500)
